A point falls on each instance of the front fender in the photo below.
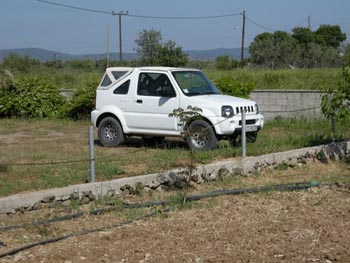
(106, 111)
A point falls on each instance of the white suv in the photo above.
(138, 101)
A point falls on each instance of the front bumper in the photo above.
(229, 126)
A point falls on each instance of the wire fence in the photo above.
(118, 156)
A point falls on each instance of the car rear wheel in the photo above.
(201, 136)
(110, 132)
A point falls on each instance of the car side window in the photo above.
(106, 81)
(155, 84)
(118, 74)
(122, 89)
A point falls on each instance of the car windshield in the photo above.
(194, 83)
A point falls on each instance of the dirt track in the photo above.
(305, 226)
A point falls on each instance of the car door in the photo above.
(154, 98)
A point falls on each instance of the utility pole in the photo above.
(120, 14)
(243, 35)
(107, 47)
(309, 22)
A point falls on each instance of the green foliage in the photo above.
(30, 97)
(336, 102)
(171, 56)
(185, 116)
(225, 63)
(153, 51)
(302, 48)
(329, 36)
(230, 86)
(16, 63)
(148, 43)
(82, 102)
(302, 79)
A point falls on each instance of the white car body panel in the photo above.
(149, 115)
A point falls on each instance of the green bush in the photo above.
(82, 102)
(232, 87)
(30, 97)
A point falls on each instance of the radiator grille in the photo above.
(244, 108)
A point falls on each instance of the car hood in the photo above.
(221, 100)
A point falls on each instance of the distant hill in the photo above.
(46, 55)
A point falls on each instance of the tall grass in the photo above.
(314, 79)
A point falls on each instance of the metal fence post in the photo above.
(91, 154)
(244, 140)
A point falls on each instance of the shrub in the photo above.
(232, 87)
(30, 97)
(82, 102)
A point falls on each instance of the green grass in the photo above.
(303, 79)
(45, 141)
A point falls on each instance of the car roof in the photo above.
(156, 68)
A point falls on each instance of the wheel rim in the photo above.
(111, 132)
(199, 137)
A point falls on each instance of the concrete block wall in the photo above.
(288, 103)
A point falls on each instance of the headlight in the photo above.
(256, 108)
(226, 111)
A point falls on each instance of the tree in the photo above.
(273, 50)
(303, 36)
(223, 62)
(170, 55)
(336, 102)
(301, 48)
(149, 42)
(153, 51)
(261, 49)
(329, 36)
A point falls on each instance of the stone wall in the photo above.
(288, 103)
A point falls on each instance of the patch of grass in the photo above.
(58, 141)
(178, 201)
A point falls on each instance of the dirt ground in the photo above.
(303, 226)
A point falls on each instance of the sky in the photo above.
(35, 24)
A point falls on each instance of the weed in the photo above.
(178, 201)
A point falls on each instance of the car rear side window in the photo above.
(122, 89)
(118, 74)
(106, 81)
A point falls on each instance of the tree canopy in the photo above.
(153, 51)
(299, 48)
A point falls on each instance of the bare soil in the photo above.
(303, 226)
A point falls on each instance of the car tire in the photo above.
(201, 136)
(110, 132)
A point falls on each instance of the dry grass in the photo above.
(46, 141)
(305, 226)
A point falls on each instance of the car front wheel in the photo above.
(110, 132)
(201, 136)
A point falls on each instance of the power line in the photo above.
(141, 16)
(76, 7)
(185, 17)
(259, 25)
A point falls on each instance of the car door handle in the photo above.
(139, 101)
